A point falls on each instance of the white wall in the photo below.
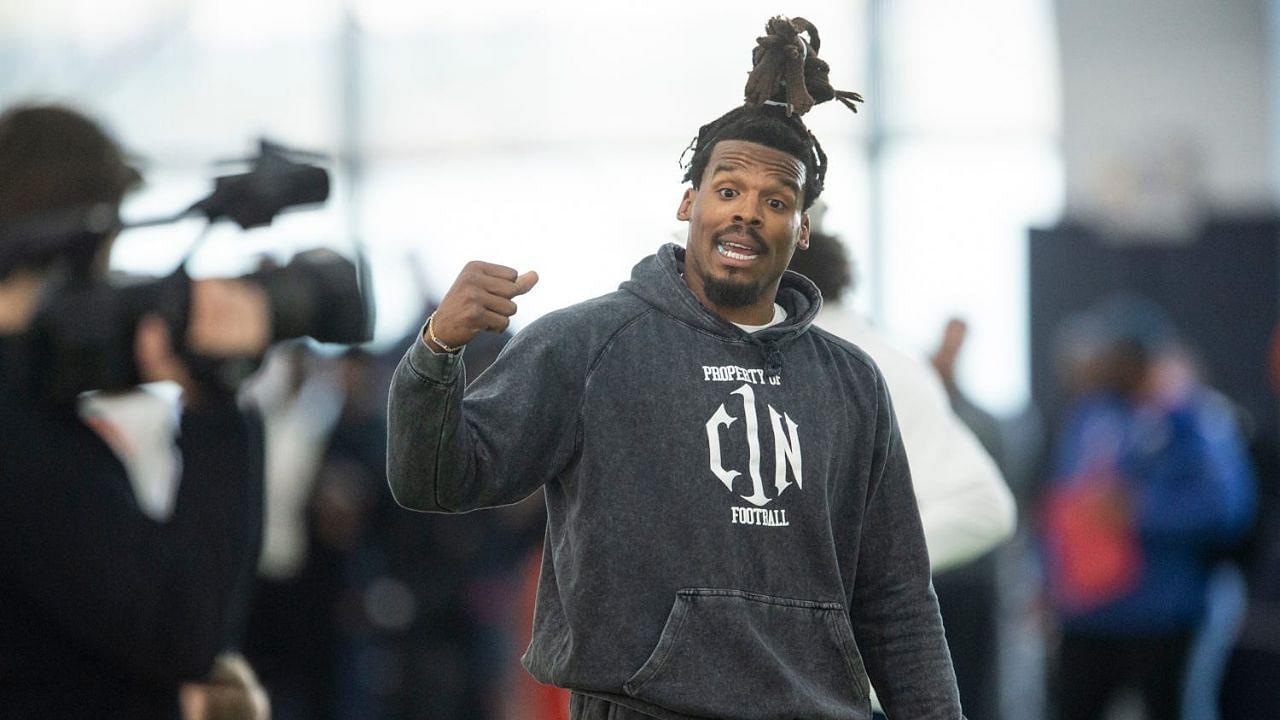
(1166, 108)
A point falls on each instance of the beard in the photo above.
(731, 293)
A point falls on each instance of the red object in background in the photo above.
(1093, 553)
(533, 700)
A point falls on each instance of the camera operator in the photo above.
(106, 612)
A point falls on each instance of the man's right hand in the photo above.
(480, 299)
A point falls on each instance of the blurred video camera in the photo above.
(83, 334)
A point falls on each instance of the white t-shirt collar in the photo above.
(779, 315)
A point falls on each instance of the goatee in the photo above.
(730, 293)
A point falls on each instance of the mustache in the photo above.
(735, 229)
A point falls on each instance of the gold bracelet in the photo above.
(431, 333)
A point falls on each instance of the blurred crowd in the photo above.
(362, 609)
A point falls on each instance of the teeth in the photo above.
(734, 255)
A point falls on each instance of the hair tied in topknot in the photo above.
(787, 71)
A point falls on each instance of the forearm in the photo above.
(515, 429)
(423, 411)
(969, 517)
(958, 538)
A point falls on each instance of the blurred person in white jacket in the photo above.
(965, 504)
(966, 507)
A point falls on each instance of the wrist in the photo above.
(432, 341)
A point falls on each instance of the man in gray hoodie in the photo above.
(732, 531)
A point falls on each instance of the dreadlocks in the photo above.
(787, 79)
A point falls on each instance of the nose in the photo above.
(748, 213)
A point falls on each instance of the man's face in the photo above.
(745, 222)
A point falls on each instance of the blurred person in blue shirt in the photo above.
(1152, 484)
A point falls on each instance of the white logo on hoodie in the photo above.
(786, 448)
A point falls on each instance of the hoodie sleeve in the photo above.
(516, 428)
(895, 612)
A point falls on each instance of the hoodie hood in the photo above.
(658, 280)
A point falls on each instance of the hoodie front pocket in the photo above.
(730, 653)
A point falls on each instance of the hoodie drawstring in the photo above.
(772, 360)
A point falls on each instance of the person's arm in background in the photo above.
(155, 600)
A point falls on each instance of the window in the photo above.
(968, 160)
(546, 136)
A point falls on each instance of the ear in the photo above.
(685, 211)
(802, 241)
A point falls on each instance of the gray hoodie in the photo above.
(731, 528)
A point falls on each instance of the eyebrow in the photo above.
(782, 180)
(789, 184)
(725, 167)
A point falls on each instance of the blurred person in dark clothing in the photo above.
(290, 628)
(361, 610)
(1151, 486)
(439, 593)
(106, 610)
(1251, 684)
(969, 596)
(432, 638)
